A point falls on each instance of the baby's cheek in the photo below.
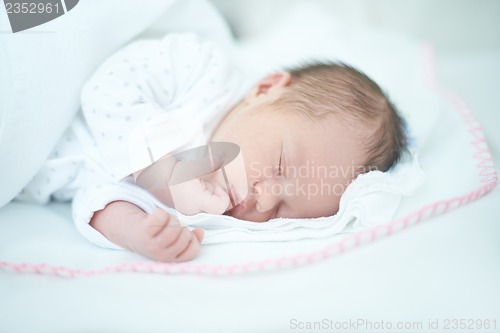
(259, 171)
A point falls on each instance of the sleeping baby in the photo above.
(304, 134)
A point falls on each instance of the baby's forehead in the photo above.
(328, 141)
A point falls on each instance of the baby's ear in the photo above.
(271, 84)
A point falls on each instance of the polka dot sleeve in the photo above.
(147, 79)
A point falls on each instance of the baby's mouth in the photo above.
(236, 209)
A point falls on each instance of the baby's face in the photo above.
(296, 167)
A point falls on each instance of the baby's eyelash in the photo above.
(280, 167)
(280, 170)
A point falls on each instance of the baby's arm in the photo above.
(119, 215)
(158, 235)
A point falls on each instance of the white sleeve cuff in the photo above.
(95, 197)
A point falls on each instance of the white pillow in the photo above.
(43, 70)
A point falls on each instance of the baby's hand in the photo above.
(160, 237)
(197, 196)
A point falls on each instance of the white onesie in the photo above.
(144, 80)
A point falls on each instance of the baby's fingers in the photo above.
(199, 233)
(158, 220)
(168, 251)
(169, 235)
(193, 248)
(216, 201)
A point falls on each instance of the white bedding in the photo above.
(444, 268)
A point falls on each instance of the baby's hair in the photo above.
(322, 89)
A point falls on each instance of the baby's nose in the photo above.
(267, 195)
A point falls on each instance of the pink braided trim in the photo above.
(485, 168)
